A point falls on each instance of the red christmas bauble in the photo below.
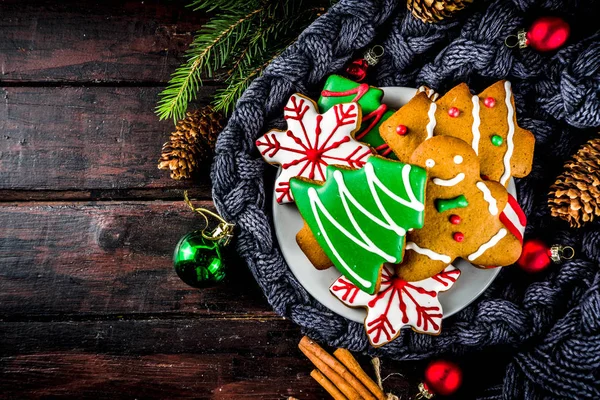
(535, 256)
(548, 33)
(443, 377)
(357, 70)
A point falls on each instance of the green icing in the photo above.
(359, 217)
(497, 140)
(447, 204)
(369, 99)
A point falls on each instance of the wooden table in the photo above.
(89, 304)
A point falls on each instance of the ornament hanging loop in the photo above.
(520, 39)
(560, 253)
(373, 54)
(224, 230)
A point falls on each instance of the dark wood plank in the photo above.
(103, 141)
(203, 358)
(101, 41)
(207, 359)
(87, 260)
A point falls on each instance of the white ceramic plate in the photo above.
(472, 282)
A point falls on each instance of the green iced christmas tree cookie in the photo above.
(360, 217)
(338, 90)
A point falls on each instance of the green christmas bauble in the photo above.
(198, 260)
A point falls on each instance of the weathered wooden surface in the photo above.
(92, 42)
(96, 139)
(89, 304)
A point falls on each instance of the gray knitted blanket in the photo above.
(546, 327)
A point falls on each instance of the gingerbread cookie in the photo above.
(486, 121)
(312, 141)
(359, 217)
(462, 213)
(338, 90)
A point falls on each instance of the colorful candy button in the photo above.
(401, 130)
(458, 236)
(489, 102)
(497, 140)
(453, 112)
(454, 219)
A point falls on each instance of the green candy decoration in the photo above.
(447, 204)
(198, 261)
(339, 90)
(360, 217)
(497, 140)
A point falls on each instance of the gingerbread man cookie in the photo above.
(486, 121)
(462, 214)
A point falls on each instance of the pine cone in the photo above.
(192, 142)
(575, 196)
(435, 10)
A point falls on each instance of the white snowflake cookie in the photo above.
(398, 303)
(313, 141)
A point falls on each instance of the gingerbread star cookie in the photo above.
(487, 122)
(313, 141)
(463, 214)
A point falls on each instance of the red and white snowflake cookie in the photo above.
(312, 141)
(398, 303)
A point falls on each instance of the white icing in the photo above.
(491, 243)
(431, 124)
(458, 159)
(346, 197)
(476, 123)
(429, 92)
(449, 182)
(386, 303)
(430, 163)
(334, 142)
(429, 253)
(512, 216)
(487, 196)
(510, 146)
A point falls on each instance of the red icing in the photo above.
(489, 102)
(454, 219)
(458, 236)
(401, 130)
(453, 112)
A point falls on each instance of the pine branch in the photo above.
(209, 51)
(234, 45)
(239, 82)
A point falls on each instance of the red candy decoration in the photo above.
(454, 219)
(548, 33)
(401, 130)
(357, 70)
(443, 377)
(535, 256)
(458, 236)
(489, 102)
(453, 112)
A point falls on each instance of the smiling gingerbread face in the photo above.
(448, 160)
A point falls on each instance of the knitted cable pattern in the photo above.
(548, 323)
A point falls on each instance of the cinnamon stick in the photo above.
(333, 376)
(317, 354)
(327, 385)
(354, 367)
